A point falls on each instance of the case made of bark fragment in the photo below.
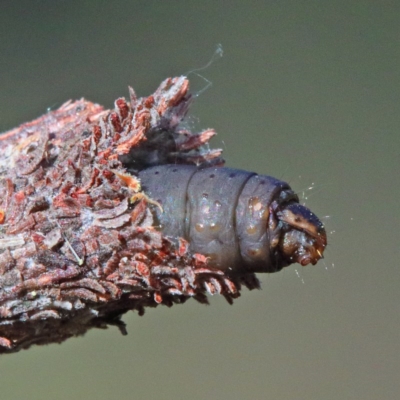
(81, 243)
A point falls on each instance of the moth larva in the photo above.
(80, 246)
(240, 220)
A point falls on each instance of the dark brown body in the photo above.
(229, 215)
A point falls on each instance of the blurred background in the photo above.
(306, 91)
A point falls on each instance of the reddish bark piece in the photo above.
(74, 252)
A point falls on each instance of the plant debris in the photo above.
(78, 241)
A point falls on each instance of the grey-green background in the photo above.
(307, 91)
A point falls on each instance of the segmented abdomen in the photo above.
(224, 213)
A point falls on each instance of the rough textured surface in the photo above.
(77, 242)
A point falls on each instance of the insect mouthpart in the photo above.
(303, 236)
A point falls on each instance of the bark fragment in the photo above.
(78, 247)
